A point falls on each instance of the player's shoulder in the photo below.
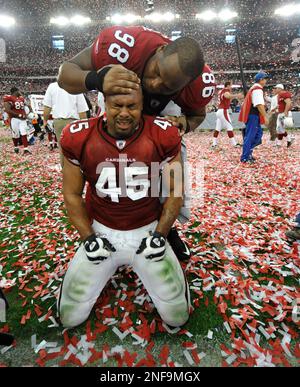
(159, 124)
(205, 78)
(7, 98)
(77, 132)
(200, 91)
(161, 130)
(164, 136)
(286, 94)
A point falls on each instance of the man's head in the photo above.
(15, 91)
(123, 113)
(261, 78)
(228, 85)
(173, 66)
(278, 88)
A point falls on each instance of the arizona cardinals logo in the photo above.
(121, 144)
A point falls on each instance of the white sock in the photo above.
(215, 141)
(233, 141)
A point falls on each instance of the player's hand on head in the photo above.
(153, 247)
(97, 248)
(119, 80)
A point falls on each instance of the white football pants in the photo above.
(223, 120)
(18, 127)
(164, 280)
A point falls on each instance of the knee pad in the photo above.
(176, 312)
(72, 313)
(72, 316)
(168, 284)
(77, 285)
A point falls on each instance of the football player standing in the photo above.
(14, 106)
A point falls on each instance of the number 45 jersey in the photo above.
(132, 47)
(120, 172)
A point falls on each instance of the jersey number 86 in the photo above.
(116, 51)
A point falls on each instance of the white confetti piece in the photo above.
(210, 334)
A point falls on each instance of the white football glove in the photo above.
(153, 247)
(97, 248)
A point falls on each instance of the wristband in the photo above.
(157, 234)
(90, 238)
(95, 79)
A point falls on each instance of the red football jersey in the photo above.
(132, 47)
(281, 97)
(224, 103)
(17, 105)
(119, 172)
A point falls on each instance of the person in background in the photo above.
(64, 107)
(223, 119)
(253, 114)
(284, 117)
(14, 106)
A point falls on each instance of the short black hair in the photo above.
(190, 55)
(13, 89)
(227, 83)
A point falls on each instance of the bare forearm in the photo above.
(46, 114)
(262, 110)
(78, 215)
(72, 78)
(288, 107)
(169, 214)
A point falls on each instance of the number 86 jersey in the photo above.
(132, 47)
(123, 175)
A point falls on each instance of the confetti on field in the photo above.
(242, 268)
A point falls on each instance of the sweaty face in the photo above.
(123, 113)
(163, 75)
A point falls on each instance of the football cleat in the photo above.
(179, 247)
(16, 150)
(289, 143)
(26, 152)
(293, 234)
